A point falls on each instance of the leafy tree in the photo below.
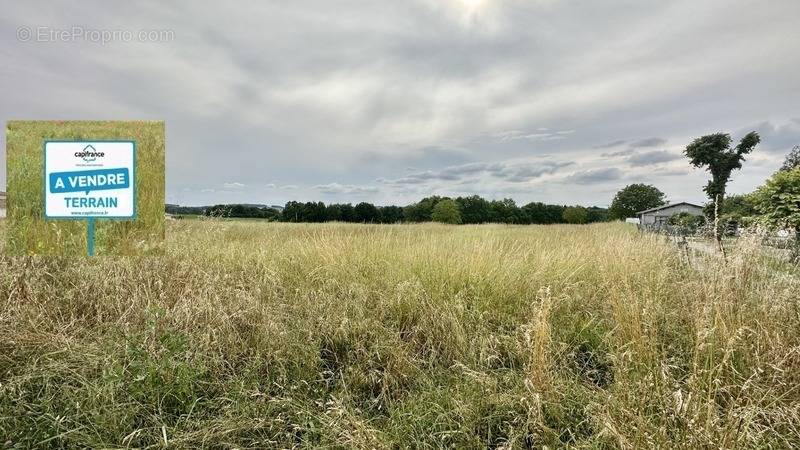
(738, 209)
(505, 211)
(333, 212)
(186, 210)
(714, 152)
(366, 213)
(739, 205)
(597, 214)
(339, 212)
(421, 211)
(576, 214)
(391, 214)
(779, 203)
(540, 213)
(474, 209)
(241, 211)
(686, 220)
(218, 211)
(792, 159)
(535, 212)
(314, 212)
(634, 198)
(554, 213)
(348, 213)
(446, 211)
(293, 212)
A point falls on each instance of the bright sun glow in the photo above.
(472, 6)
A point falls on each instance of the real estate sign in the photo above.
(90, 179)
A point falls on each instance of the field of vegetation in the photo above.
(253, 335)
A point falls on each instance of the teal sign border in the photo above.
(44, 180)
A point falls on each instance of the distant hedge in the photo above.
(472, 209)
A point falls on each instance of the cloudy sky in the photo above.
(389, 101)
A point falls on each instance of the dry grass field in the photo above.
(254, 335)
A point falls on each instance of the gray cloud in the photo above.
(336, 188)
(612, 144)
(507, 171)
(594, 176)
(425, 157)
(649, 142)
(775, 138)
(625, 152)
(540, 134)
(652, 157)
(527, 171)
(671, 172)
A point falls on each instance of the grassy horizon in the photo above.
(27, 230)
(275, 335)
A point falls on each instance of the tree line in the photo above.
(460, 210)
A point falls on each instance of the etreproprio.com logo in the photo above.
(89, 154)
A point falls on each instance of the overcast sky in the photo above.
(390, 101)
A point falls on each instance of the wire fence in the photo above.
(782, 239)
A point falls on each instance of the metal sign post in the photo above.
(90, 180)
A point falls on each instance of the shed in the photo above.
(659, 215)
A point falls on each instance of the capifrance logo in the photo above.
(89, 154)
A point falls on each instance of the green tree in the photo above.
(690, 222)
(421, 211)
(474, 209)
(739, 205)
(714, 152)
(597, 214)
(738, 209)
(792, 159)
(505, 211)
(446, 211)
(348, 213)
(333, 212)
(391, 214)
(366, 213)
(779, 203)
(576, 214)
(314, 212)
(634, 198)
(293, 212)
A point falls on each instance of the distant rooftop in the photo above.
(669, 205)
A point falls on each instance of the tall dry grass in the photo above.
(255, 335)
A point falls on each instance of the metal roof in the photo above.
(658, 208)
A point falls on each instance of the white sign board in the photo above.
(92, 179)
